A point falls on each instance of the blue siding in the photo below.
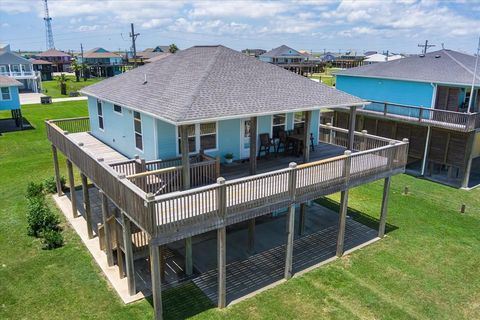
(228, 139)
(118, 130)
(394, 91)
(167, 148)
(13, 103)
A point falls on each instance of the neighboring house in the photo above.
(369, 53)
(60, 60)
(378, 57)
(102, 63)
(425, 98)
(157, 57)
(10, 99)
(282, 55)
(19, 68)
(254, 52)
(349, 59)
(329, 57)
(160, 129)
(150, 53)
(44, 67)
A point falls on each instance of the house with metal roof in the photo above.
(431, 98)
(101, 62)
(206, 138)
(10, 99)
(21, 69)
(60, 60)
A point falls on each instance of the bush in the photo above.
(34, 190)
(52, 239)
(40, 218)
(50, 184)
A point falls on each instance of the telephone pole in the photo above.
(134, 36)
(83, 63)
(425, 46)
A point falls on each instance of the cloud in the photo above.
(249, 9)
(88, 28)
(5, 25)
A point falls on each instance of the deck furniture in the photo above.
(265, 144)
(283, 142)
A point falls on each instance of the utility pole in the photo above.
(83, 63)
(425, 46)
(472, 97)
(134, 36)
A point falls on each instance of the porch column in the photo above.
(155, 272)
(251, 236)
(222, 270)
(306, 136)
(127, 245)
(425, 152)
(469, 159)
(188, 256)
(351, 129)
(57, 171)
(185, 157)
(71, 181)
(289, 246)
(86, 205)
(342, 221)
(303, 216)
(106, 228)
(253, 145)
(383, 213)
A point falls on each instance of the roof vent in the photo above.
(422, 55)
(437, 56)
(145, 81)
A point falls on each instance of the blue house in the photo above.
(102, 63)
(283, 55)
(9, 98)
(429, 99)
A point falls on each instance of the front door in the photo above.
(245, 138)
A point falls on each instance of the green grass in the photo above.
(326, 77)
(426, 267)
(52, 87)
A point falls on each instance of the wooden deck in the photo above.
(96, 147)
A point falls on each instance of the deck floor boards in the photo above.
(97, 148)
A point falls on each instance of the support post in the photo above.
(351, 129)
(303, 216)
(188, 256)
(106, 229)
(155, 273)
(425, 152)
(71, 181)
(342, 222)
(383, 213)
(185, 156)
(222, 270)
(58, 180)
(253, 145)
(306, 136)
(127, 245)
(251, 236)
(86, 205)
(469, 159)
(289, 246)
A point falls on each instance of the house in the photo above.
(158, 56)
(292, 60)
(378, 57)
(43, 67)
(19, 68)
(348, 59)
(10, 99)
(155, 145)
(60, 60)
(101, 62)
(329, 56)
(428, 99)
(254, 52)
(150, 53)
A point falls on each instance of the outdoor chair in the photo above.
(265, 144)
(284, 142)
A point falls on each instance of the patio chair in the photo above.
(265, 144)
(283, 142)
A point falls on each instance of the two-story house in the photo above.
(60, 60)
(427, 98)
(102, 63)
(43, 67)
(19, 68)
(292, 60)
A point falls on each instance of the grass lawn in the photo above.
(326, 76)
(426, 267)
(52, 87)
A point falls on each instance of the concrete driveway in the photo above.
(30, 98)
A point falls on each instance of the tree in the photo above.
(62, 80)
(77, 68)
(173, 48)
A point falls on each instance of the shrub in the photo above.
(34, 190)
(52, 239)
(40, 218)
(51, 185)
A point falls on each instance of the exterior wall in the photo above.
(13, 103)
(394, 91)
(118, 130)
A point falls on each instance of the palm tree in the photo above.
(173, 48)
(62, 80)
(76, 67)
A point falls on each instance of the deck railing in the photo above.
(74, 125)
(460, 121)
(362, 140)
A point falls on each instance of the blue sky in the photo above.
(315, 25)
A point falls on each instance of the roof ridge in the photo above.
(461, 65)
(201, 81)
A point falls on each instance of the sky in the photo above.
(318, 25)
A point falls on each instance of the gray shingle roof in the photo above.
(8, 57)
(212, 82)
(9, 82)
(280, 51)
(442, 66)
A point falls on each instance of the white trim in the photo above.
(197, 140)
(271, 123)
(9, 94)
(434, 95)
(155, 140)
(100, 115)
(135, 132)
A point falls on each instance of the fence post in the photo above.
(363, 144)
(222, 199)
(330, 133)
(420, 115)
(150, 217)
(221, 242)
(385, 111)
(217, 167)
(391, 156)
(292, 180)
(347, 166)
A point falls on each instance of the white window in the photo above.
(278, 124)
(137, 125)
(200, 137)
(298, 120)
(117, 108)
(100, 114)
(6, 93)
